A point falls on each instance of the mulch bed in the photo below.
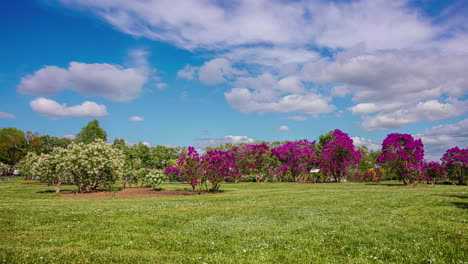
(128, 193)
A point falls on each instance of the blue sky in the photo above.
(208, 72)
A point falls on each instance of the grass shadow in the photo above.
(47, 191)
(459, 204)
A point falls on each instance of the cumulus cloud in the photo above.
(440, 138)
(136, 119)
(216, 71)
(369, 143)
(283, 128)
(114, 82)
(265, 93)
(390, 57)
(51, 108)
(70, 136)
(217, 141)
(6, 115)
(211, 25)
(188, 72)
(430, 110)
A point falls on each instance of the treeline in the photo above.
(16, 144)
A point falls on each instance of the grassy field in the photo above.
(247, 223)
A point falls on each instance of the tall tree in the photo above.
(12, 145)
(51, 142)
(402, 155)
(91, 132)
(339, 156)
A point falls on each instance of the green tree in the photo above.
(51, 142)
(12, 145)
(90, 132)
(369, 159)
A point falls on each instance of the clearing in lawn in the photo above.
(246, 223)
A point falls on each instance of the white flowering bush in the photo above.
(152, 177)
(93, 165)
(26, 165)
(50, 168)
(4, 169)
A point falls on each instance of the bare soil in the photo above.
(129, 193)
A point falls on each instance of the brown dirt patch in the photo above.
(129, 193)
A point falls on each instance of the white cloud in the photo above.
(369, 143)
(188, 72)
(297, 118)
(215, 26)
(283, 128)
(6, 115)
(51, 108)
(245, 101)
(430, 110)
(136, 119)
(216, 71)
(161, 86)
(214, 142)
(70, 136)
(110, 81)
(47, 81)
(440, 138)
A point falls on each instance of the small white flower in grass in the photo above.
(245, 250)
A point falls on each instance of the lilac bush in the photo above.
(455, 161)
(218, 166)
(190, 167)
(250, 159)
(296, 158)
(403, 155)
(435, 172)
(339, 156)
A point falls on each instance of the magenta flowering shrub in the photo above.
(339, 156)
(403, 155)
(190, 167)
(434, 172)
(295, 159)
(218, 166)
(455, 161)
(250, 159)
(173, 173)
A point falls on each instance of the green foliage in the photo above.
(91, 132)
(49, 143)
(368, 160)
(12, 145)
(323, 139)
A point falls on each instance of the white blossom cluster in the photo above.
(94, 164)
(50, 167)
(4, 168)
(26, 164)
(154, 178)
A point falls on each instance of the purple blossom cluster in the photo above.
(214, 167)
(339, 156)
(403, 155)
(455, 161)
(295, 158)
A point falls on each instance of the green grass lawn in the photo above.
(247, 223)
